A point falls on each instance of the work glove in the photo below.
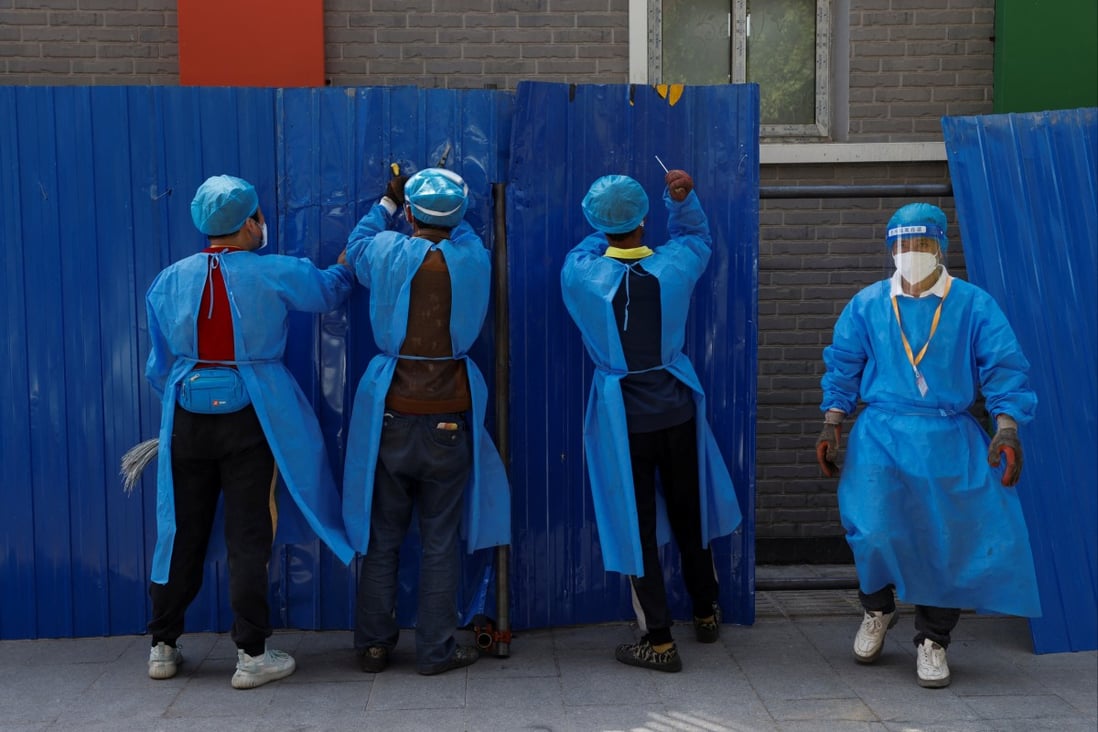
(679, 183)
(1006, 442)
(827, 444)
(394, 191)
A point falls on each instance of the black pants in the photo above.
(214, 455)
(935, 623)
(673, 452)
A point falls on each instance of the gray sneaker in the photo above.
(164, 661)
(871, 635)
(253, 671)
(931, 666)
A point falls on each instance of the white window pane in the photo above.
(696, 43)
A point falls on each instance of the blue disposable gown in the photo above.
(921, 507)
(386, 261)
(589, 281)
(262, 291)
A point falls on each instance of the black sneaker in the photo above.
(374, 659)
(463, 656)
(709, 630)
(644, 655)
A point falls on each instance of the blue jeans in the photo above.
(423, 463)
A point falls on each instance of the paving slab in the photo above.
(790, 672)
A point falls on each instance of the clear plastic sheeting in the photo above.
(1026, 187)
(564, 137)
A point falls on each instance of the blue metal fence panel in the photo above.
(46, 367)
(1026, 187)
(125, 207)
(563, 138)
(97, 185)
(16, 535)
(335, 149)
(82, 348)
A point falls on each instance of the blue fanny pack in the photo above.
(213, 390)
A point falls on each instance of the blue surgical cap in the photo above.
(917, 219)
(222, 204)
(616, 204)
(437, 196)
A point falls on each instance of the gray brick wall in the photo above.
(911, 62)
(471, 44)
(88, 42)
(914, 61)
(814, 255)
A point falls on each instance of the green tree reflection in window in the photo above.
(781, 48)
(697, 47)
(771, 42)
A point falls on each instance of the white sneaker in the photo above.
(931, 666)
(871, 636)
(164, 661)
(253, 671)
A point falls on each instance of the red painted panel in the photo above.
(251, 43)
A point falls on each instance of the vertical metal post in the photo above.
(503, 388)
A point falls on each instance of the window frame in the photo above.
(649, 36)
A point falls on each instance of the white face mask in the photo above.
(915, 267)
(263, 241)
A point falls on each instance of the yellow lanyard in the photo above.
(914, 360)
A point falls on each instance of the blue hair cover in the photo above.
(615, 204)
(222, 204)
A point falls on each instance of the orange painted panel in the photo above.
(251, 42)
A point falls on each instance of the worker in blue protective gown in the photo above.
(233, 418)
(646, 410)
(417, 439)
(925, 506)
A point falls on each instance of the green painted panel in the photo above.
(1046, 55)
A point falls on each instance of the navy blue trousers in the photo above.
(424, 463)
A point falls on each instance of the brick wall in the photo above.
(87, 42)
(915, 61)
(471, 44)
(814, 255)
(911, 62)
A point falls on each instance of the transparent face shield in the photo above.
(915, 251)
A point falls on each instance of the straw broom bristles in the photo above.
(136, 459)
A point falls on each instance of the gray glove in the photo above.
(827, 444)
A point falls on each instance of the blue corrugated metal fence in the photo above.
(96, 184)
(1027, 199)
(565, 137)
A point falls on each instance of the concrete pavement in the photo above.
(791, 671)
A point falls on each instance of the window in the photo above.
(783, 45)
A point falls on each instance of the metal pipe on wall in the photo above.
(886, 190)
